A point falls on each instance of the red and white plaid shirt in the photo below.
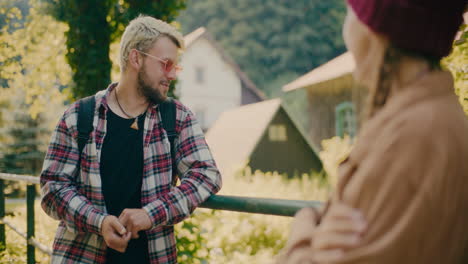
(76, 199)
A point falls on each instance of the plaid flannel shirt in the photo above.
(76, 198)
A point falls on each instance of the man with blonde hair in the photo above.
(115, 198)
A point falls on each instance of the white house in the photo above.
(211, 82)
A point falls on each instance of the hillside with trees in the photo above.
(273, 41)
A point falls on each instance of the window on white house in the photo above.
(199, 74)
(277, 132)
(345, 119)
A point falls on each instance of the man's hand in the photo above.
(114, 233)
(135, 220)
(341, 229)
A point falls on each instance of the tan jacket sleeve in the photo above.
(389, 184)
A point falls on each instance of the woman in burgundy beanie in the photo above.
(402, 195)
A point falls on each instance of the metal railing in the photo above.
(268, 206)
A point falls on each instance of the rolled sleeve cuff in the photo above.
(95, 220)
(157, 213)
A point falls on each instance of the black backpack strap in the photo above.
(85, 120)
(168, 116)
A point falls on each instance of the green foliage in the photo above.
(191, 241)
(24, 138)
(457, 63)
(33, 69)
(32, 62)
(22, 155)
(232, 237)
(16, 245)
(12, 13)
(273, 41)
(88, 40)
(335, 150)
(93, 26)
(122, 12)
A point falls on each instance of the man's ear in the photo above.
(135, 60)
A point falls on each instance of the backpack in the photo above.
(85, 125)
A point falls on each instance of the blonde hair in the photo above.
(368, 70)
(374, 72)
(142, 32)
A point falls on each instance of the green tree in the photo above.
(32, 58)
(93, 26)
(457, 63)
(7, 18)
(274, 41)
(88, 40)
(23, 148)
(33, 66)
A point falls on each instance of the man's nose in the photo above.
(172, 75)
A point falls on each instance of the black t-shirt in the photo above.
(121, 176)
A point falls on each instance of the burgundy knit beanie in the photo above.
(424, 26)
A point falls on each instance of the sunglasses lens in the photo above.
(169, 65)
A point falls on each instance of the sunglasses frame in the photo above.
(164, 62)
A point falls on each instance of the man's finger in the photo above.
(132, 227)
(135, 234)
(123, 218)
(124, 241)
(117, 226)
(129, 225)
(120, 243)
(115, 242)
(127, 236)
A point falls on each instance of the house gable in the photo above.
(242, 136)
(207, 84)
(211, 81)
(283, 148)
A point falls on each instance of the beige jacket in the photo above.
(408, 174)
